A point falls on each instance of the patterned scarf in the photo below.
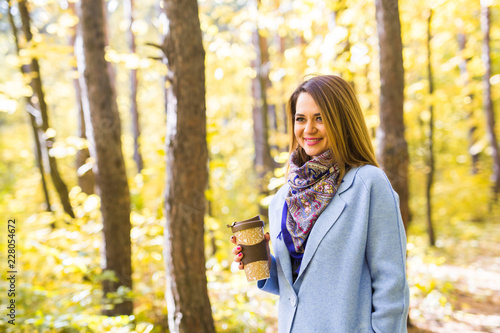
(312, 187)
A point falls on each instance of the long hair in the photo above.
(347, 134)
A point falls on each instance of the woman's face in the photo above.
(309, 130)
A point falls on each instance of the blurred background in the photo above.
(257, 52)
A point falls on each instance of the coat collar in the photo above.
(347, 180)
(325, 221)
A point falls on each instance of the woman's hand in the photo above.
(239, 255)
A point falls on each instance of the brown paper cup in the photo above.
(250, 236)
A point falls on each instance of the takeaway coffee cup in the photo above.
(249, 235)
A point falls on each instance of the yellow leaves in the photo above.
(68, 147)
(495, 79)
(212, 223)
(219, 74)
(64, 22)
(139, 27)
(15, 61)
(8, 105)
(274, 183)
(130, 60)
(67, 20)
(40, 49)
(93, 202)
(49, 133)
(212, 30)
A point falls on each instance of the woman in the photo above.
(336, 229)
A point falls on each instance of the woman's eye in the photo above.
(319, 119)
(299, 119)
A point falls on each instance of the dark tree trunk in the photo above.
(104, 134)
(488, 102)
(430, 138)
(32, 111)
(39, 154)
(128, 8)
(392, 148)
(464, 73)
(86, 177)
(36, 84)
(187, 174)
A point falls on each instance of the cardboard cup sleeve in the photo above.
(250, 236)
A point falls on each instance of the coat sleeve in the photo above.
(271, 285)
(386, 256)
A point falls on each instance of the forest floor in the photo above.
(460, 291)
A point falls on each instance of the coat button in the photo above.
(293, 301)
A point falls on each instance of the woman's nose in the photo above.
(310, 127)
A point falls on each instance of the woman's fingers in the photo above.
(238, 257)
(267, 237)
(236, 250)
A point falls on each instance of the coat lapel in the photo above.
(325, 221)
(284, 260)
(278, 243)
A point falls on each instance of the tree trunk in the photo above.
(280, 109)
(128, 9)
(392, 148)
(36, 84)
(86, 177)
(430, 164)
(110, 67)
(187, 174)
(104, 134)
(264, 163)
(31, 110)
(488, 103)
(464, 74)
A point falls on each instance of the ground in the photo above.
(458, 290)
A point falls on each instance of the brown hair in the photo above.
(345, 125)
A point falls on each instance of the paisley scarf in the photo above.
(312, 187)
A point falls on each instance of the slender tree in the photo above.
(392, 147)
(264, 163)
(187, 174)
(430, 137)
(36, 84)
(128, 9)
(104, 134)
(280, 107)
(465, 80)
(86, 177)
(487, 101)
(33, 114)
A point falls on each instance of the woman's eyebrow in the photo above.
(301, 115)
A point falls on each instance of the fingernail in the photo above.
(239, 255)
(238, 248)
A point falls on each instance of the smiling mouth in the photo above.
(311, 141)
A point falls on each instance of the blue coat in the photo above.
(353, 274)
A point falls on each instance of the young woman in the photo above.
(335, 226)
